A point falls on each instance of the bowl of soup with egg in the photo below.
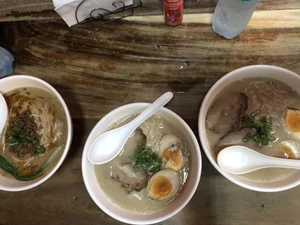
(257, 107)
(37, 134)
(156, 173)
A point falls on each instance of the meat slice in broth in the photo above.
(267, 97)
(233, 138)
(129, 179)
(226, 113)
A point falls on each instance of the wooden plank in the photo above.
(140, 58)
(98, 68)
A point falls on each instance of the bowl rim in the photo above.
(69, 136)
(85, 163)
(208, 97)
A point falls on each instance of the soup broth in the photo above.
(225, 121)
(35, 129)
(150, 134)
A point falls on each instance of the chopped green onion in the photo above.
(148, 159)
(262, 126)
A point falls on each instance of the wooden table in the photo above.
(98, 68)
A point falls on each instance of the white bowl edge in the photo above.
(14, 185)
(265, 70)
(113, 210)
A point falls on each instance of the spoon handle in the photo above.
(156, 105)
(285, 163)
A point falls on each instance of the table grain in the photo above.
(98, 68)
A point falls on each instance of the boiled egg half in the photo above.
(289, 149)
(170, 152)
(292, 119)
(163, 185)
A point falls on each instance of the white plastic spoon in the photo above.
(3, 112)
(109, 144)
(240, 159)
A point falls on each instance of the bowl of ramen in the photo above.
(257, 107)
(154, 176)
(37, 134)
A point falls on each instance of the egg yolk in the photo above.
(173, 156)
(161, 187)
(292, 120)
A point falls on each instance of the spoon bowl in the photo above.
(109, 144)
(240, 160)
(3, 112)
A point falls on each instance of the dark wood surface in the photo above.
(98, 68)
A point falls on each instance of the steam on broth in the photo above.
(36, 128)
(151, 169)
(262, 114)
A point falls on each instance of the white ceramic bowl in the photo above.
(291, 79)
(115, 211)
(18, 81)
